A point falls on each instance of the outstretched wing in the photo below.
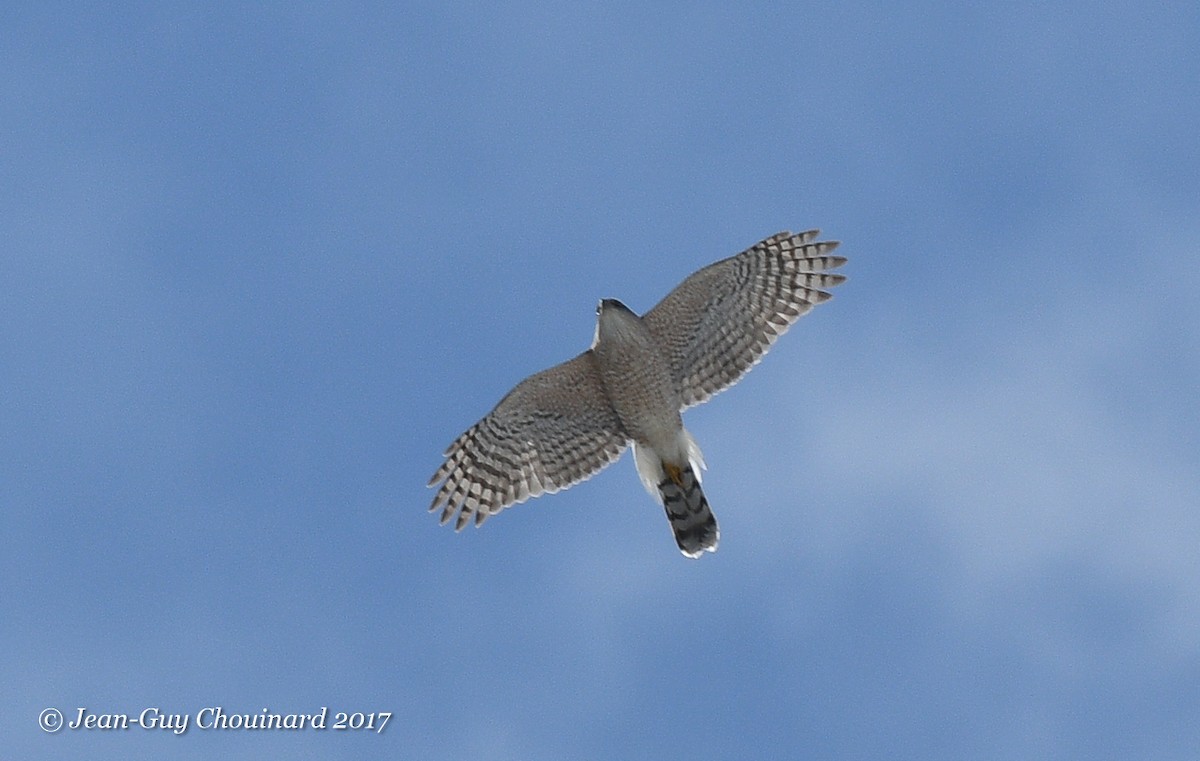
(554, 429)
(720, 321)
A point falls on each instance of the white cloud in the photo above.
(1039, 445)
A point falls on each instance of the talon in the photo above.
(674, 472)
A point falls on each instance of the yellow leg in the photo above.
(674, 473)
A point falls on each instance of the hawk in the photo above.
(565, 424)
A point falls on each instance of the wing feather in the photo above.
(554, 429)
(721, 320)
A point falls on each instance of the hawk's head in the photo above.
(614, 320)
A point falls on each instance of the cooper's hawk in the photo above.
(565, 424)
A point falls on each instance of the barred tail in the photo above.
(693, 522)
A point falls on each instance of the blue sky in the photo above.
(262, 264)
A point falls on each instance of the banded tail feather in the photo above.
(691, 519)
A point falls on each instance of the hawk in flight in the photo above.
(565, 424)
